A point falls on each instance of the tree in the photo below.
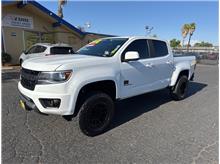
(185, 31)
(192, 28)
(154, 36)
(61, 3)
(81, 28)
(203, 44)
(174, 43)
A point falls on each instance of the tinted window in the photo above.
(40, 49)
(31, 50)
(61, 50)
(36, 49)
(140, 46)
(103, 47)
(158, 48)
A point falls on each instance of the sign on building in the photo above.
(11, 20)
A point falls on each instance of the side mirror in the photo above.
(131, 56)
(25, 52)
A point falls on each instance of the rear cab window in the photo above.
(61, 50)
(158, 48)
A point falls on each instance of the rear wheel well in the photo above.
(184, 73)
(106, 86)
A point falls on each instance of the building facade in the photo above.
(25, 23)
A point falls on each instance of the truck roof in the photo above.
(137, 37)
(53, 45)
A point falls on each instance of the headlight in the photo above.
(193, 62)
(54, 77)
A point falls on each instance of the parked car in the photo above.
(88, 83)
(45, 49)
(212, 56)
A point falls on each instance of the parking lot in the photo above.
(150, 128)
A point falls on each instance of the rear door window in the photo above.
(157, 48)
(61, 50)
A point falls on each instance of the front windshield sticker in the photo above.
(103, 47)
(113, 51)
(93, 43)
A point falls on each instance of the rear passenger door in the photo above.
(162, 63)
(151, 72)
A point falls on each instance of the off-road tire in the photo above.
(179, 91)
(98, 108)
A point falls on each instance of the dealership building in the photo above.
(25, 23)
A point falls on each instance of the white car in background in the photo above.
(45, 49)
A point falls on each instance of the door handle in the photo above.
(169, 62)
(149, 65)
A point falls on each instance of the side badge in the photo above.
(126, 82)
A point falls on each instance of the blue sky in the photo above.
(130, 18)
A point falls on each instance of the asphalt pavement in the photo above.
(150, 128)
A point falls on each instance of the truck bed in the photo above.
(183, 55)
(189, 60)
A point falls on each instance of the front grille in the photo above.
(29, 78)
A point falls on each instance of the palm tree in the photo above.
(61, 3)
(192, 28)
(185, 31)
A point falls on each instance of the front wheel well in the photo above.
(20, 62)
(106, 86)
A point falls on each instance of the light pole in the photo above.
(148, 29)
(87, 25)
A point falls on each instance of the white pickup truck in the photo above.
(88, 83)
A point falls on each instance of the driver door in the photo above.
(137, 76)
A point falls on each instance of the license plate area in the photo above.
(22, 105)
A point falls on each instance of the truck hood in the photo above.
(51, 63)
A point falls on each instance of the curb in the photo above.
(10, 69)
(7, 68)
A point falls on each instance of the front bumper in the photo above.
(29, 104)
(32, 100)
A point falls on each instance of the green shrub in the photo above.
(6, 58)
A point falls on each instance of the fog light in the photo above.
(50, 103)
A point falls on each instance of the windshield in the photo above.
(102, 47)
